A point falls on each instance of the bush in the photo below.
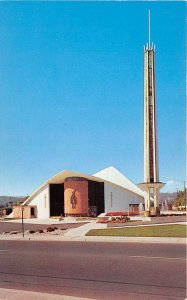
(40, 231)
(31, 231)
(50, 229)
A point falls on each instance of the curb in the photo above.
(7, 294)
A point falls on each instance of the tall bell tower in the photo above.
(151, 184)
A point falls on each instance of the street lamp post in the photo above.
(22, 209)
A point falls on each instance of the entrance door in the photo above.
(56, 199)
(96, 198)
(32, 212)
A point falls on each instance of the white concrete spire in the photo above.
(151, 182)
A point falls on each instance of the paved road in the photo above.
(95, 270)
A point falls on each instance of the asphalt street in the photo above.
(95, 270)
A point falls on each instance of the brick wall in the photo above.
(17, 212)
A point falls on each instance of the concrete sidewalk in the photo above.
(10, 294)
(82, 230)
(110, 239)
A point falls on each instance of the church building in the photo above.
(70, 193)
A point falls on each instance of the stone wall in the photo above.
(17, 212)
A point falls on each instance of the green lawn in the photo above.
(144, 231)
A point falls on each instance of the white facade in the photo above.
(41, 201)
(119, 199)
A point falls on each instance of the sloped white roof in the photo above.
(59, 178)
(112, 175)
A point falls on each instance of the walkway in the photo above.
(82, 230)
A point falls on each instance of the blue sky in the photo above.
(71, 90)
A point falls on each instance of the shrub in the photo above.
(124, 213)
(50, 229)
(40, 231)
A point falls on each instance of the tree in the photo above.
(180, 199)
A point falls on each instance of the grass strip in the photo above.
(144, 231)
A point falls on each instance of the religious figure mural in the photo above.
(73, 199)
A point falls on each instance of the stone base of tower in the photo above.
(152, 189)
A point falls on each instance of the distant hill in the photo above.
(9, 200)
(167, 196)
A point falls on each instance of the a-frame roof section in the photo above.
(59, 178)
(112, 175)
